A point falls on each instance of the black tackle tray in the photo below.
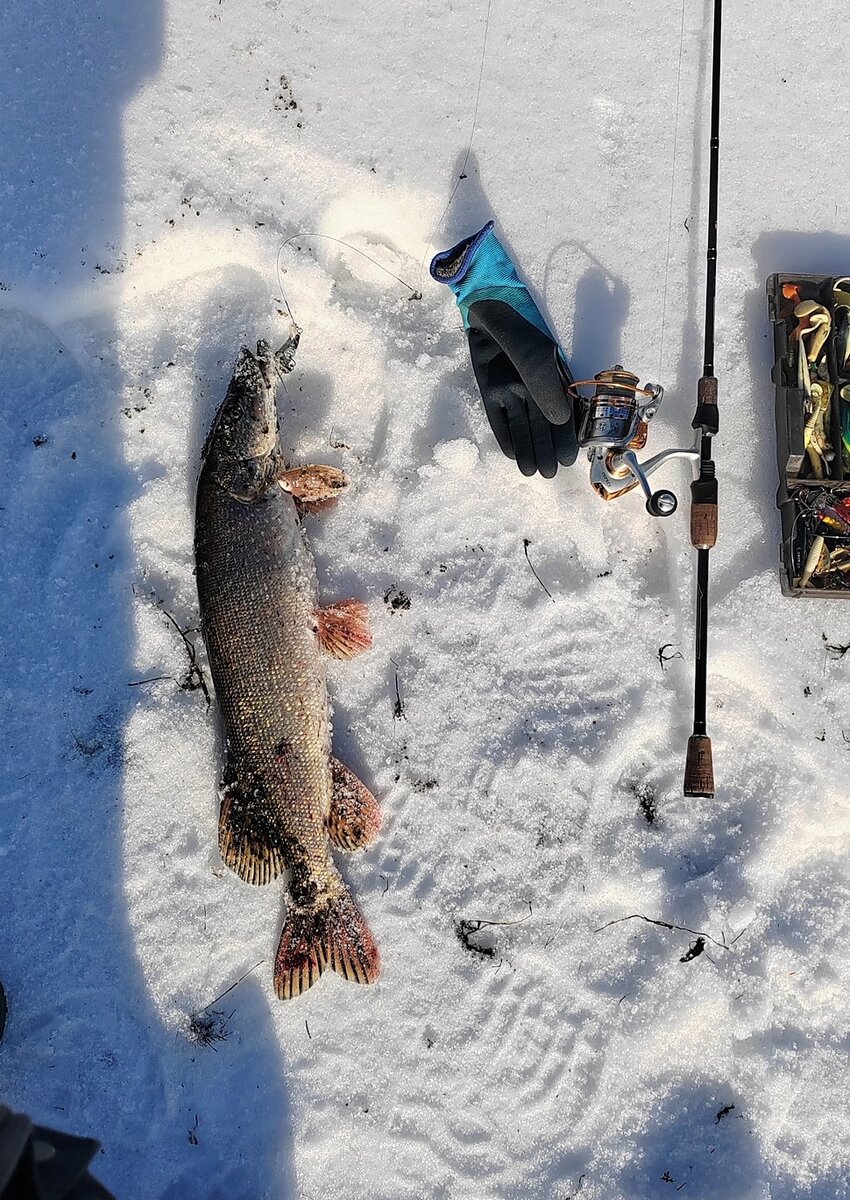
(798, 488)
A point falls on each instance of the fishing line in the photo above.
(414, 294)
(462, 172)
(672, 193)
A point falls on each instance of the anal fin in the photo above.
(342, 628)
(244, 842)
(354, 817)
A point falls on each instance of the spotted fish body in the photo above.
(283, 794)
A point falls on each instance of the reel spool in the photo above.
(614, 426)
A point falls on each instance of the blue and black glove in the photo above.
(521, 370)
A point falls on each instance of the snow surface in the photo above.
(154, 157)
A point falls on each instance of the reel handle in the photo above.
(662, 503)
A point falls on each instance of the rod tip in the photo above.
(699, 768)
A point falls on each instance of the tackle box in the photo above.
(811, 479)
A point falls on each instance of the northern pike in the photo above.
(284, 797)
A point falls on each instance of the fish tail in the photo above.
(335, 935)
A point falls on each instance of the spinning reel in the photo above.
(614, 427)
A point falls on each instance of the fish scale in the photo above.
(258, 591)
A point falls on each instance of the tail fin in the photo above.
(336, 936)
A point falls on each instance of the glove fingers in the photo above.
(521, 428)
(542, 438)
(534, 356)
(516, 409)
(565, 443)
(498, 419)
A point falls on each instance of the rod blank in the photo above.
(699, 762)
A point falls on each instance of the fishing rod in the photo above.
(524, 377)
(699, 769)
(615, 425)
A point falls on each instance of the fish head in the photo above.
(246, 425)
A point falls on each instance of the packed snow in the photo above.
(524, 711)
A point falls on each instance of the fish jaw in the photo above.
(246, 424)
(284, 356)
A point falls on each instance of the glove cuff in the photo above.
(479, 269)
(450, 266)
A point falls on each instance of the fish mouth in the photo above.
(274, 364)
(246, 424)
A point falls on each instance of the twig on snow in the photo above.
(525, 544)
(398, 709)
(195, 678)
(479, 925)
(665, 658)
(664, 925)
(233, 985)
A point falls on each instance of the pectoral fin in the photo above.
(313, 484)
(342, 629)
(354, 818)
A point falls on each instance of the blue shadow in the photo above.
(84, 1049)
(67, 71)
